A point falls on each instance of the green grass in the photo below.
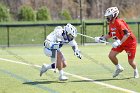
(18, 78)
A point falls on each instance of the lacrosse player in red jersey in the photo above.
(54, 41)
(124, 39)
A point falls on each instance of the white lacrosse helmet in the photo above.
(70, 29)
(112, 11)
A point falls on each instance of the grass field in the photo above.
(19, 71)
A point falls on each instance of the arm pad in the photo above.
(126, 32)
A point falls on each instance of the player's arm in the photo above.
(102, 38)
(107, 36)
(126, 35)
(74, 46)
(119, 42)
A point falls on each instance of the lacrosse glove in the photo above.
(78, 54)
(116, 44)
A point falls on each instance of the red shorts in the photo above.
(129, 48)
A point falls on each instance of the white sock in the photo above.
(61, 72)
(118, 66)
(48, 66)
(136, 70)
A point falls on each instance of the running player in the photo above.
(54, 41)
(124, 40)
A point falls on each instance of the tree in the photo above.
(65, 15)
(43, 14)
(4, 13)
(26, 13)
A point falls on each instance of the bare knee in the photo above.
(131, 62)
(111, 56)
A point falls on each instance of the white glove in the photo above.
(47, 44)
(99, 39)
(78, 54)
(116, 43)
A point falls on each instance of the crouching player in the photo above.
(54, 41)
(124, 40)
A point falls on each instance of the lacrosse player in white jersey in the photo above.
(54, 41)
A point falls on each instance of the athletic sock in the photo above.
(136, 70)
(48, 66)
(118, 66)
(61, 72)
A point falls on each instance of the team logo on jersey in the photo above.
(113, 29)
(113, 33)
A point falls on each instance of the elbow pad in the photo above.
(126, 32)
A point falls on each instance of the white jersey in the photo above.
(56, 36)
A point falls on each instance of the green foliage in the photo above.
(65, 15)
(43, 14)
(26, 13)
(4, 13)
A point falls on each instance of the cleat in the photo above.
(43, 69)
(63, 78)
(118, 71)
(136, 74)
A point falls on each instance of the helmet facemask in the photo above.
(71, 31)
(69, 37)
(109, 18)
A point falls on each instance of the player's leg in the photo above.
(134, 66)
(61, 63)
(52, 54)
(132, 63)
(131, 51)
(113, 58)
(45, 67)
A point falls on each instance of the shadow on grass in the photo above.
(113, 79)
(97, 80)
(43, 82)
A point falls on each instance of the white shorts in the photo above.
(47, 52)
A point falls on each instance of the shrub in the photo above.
(4, 13)
(26, 13)
(65, 14)
(43, 14)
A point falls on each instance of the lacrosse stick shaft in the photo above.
(55, 60)
(92, 37)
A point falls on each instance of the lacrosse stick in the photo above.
(93, 38)
(55, 60)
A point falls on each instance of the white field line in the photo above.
(76, 76)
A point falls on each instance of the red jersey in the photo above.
(116, 31)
